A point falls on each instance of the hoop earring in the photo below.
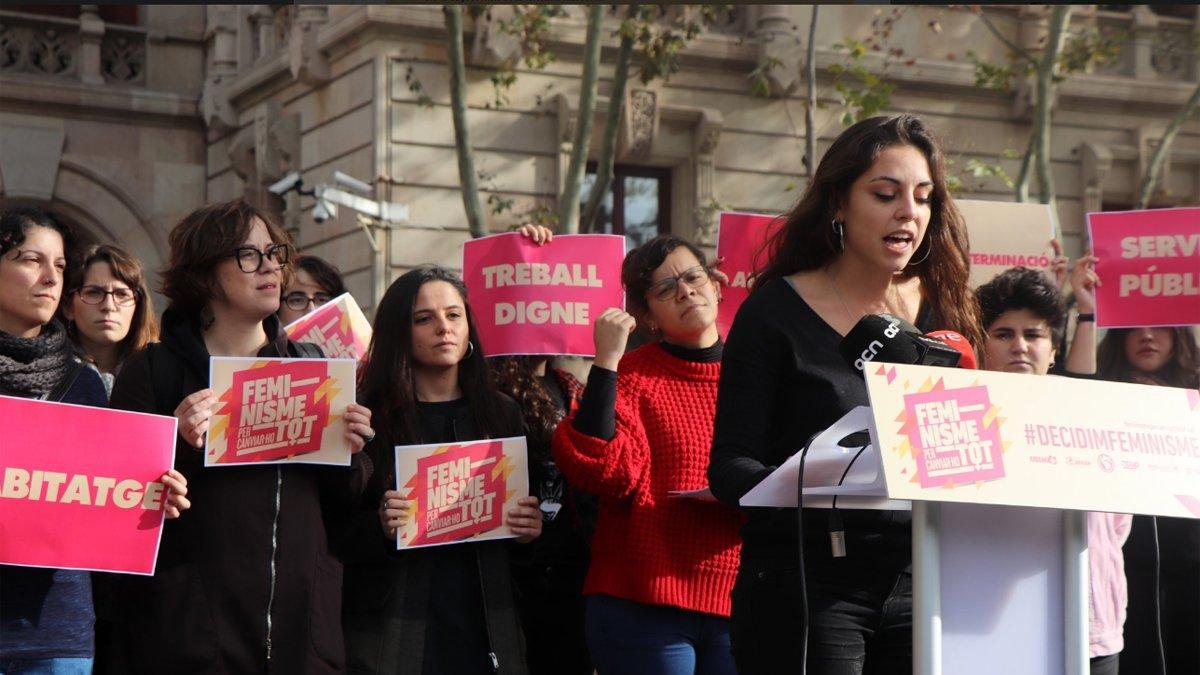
(912, 263)
(840, 230)
(470, 350)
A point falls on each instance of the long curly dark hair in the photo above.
(514, 375)
(807, 241)
(1182, 369)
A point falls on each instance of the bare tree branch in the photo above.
(810, 67)
(1045, 84)
(1162, 152)
(458, 112)
(616, 104)
(1012, 46)
(568, 202)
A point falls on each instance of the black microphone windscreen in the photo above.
(878, 338)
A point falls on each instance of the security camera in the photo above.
(351, 183)
(283, 185)
(324, 210)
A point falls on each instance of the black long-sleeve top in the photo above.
(782, 380)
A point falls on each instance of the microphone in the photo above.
(960, 344)
(885, 338)
(878, 337)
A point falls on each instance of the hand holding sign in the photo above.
(194, 414)
(538, 234)
(525, 519)
(1084, 282)
(358, 427)
(612, 334)
(394, 512)
(177, 500)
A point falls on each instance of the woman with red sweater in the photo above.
(662, 565)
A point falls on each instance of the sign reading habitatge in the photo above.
(279, 410)
(985, 437)
(531, 299)
(79, 486)
(460, 491)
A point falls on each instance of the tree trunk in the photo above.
(458, 111)
(1059, 22)
(568, 201)
(810, 66)
(1021, 188)
(616, 104)
(1163, 151)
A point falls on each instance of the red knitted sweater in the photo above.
(649, 547)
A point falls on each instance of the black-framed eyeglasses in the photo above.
(250, 259)
(95, 295)
(664, 289)
(298, 301)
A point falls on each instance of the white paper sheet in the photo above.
(823, 468)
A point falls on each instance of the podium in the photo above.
(1000, 471)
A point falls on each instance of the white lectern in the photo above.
(1000, 471)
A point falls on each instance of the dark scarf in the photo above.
(30, 367)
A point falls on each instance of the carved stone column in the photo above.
(221, 36)
(266, 152)
(566, 136)
(640, 124)
(308, 63)
(706, 136)
(1145, 30)
(778, 42)
(91, 34)
(1094, 163)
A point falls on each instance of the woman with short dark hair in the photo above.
(48, 618)
(314, 283)
(662, 566)
(247, 581)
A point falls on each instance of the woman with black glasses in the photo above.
(245, 583)
(314, 283)
(110, 314)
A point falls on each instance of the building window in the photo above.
(638, 203)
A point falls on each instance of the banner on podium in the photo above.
(1000, 438)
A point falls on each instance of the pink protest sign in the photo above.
(81, 486)
(338, 327)
(460, 491)
(1149, 267)
(954, 435)
(279, 410)
(531, 299)
(740, 237)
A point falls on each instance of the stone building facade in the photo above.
(124, 118)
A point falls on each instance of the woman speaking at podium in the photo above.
(875, 231)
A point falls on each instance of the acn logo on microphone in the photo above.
(873, 348)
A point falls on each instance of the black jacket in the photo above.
(387, 592)
(245, 580)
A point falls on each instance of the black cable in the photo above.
(837, 533)
(1158, 633)
(800, 572)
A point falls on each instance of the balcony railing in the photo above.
(72, 49)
